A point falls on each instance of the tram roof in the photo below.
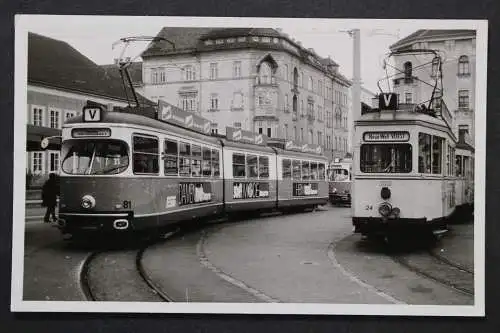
(114, 117)
(298, 154)
(246, 146)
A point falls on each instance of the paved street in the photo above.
(305, 258)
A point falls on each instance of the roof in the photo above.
(191, 40)
(58, 65)
(135, 71)
(422, 34)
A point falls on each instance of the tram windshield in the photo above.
(339, 175)
(96, 157)
(386, 158)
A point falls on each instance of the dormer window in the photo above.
(408, 70)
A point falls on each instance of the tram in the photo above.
(406, 179)
(339, 182)
(128, 172)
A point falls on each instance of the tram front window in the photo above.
(340, 175)
(96, 157)
(386, 158)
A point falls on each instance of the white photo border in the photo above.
(25, 23)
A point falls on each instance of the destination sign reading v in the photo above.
(400, 136)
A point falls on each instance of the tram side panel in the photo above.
(249, 179)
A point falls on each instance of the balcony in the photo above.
(266, 81)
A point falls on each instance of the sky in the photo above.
(94, 36)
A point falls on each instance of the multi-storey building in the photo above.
(366, 98)
(457, 50)
(60, 82)
(255, 79)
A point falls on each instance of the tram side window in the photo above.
(238, 166)
(386, 158)
(145, 155)
(306, 172)
(215, 163)
(263, 167)
(437, 154)
(296, 169)
(171, 158)
(206, 169)
(314, 170)
(424, 153)
(252, 166)
(286, 169)
(184, 159)
(321, 171)
(195, 161)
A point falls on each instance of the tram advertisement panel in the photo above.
(250, 190)
(194, 192)
(305, 189)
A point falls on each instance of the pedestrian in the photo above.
(50, 191)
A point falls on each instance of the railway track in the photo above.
(438, 269)
(119, 276)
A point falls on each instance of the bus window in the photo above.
(306, 171)
(196, 161)
(321, 171)
(238, 166)
(206, 169)
(215, 163)
(263, 167)
(296, 169)
(386, 158)
(171, 158)
(145, 152)
(184, 159)
(286, 166)
(252, 166)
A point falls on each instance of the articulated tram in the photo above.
(411, 174)
(122, 172)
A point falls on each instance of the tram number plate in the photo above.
(385, 183)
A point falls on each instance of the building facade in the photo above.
(60, 82)
(457, 53)
(255, 79)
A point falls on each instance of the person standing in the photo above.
(50, 191)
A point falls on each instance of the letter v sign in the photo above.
(388, 101)
(92, 114)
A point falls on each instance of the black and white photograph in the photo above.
(249, 165)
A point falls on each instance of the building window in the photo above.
(463, 99)
(37, 114)
(37, 162)
(54, 119)
(188, 102)
(214, 72)
(54, 161)
(463, 65)
(294, 132)
(214, 102)
(189, 73)
(408, 98)
(310, 138)
(285, 131)
(214, 128)
(69, 114)
(462, 130)
(310, 84)
(286, 73)
(237, 69)
(269, 131)
(265, 73)
(158, 75)
(238, 100)
(237, 125)
(286, 102)
(302, 134)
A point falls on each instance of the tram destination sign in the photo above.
(171, 114)
(239, 135)
(398, 136)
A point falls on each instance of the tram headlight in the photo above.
(395, 212)
(88, 201)
(385, 193)
(385, 209)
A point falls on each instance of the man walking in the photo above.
(50, 191)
